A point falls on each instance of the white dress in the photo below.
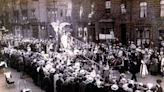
(162, 65)
(143, 69)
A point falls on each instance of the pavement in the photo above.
(28, 83)
(148, 79)
(19, 83)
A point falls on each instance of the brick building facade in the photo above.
(137, 20)
(141, 21)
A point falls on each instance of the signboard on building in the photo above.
(106, 36)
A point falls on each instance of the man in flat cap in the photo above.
(59, 83)
(158, 86)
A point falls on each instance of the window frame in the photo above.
(123, 8)
(162, 8)
(108, 4)
(143, 9)
(143, 35)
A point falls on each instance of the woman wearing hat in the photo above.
(143, 69)
(115, 88)
(162, 66)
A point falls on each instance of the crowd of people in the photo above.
(87, 69)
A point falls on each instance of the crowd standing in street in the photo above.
(86, 69)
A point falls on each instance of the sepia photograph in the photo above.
(81, 45)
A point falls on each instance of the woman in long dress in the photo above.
(143, 69)
(162, 66)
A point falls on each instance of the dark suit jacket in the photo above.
(159, 89)
(59, 84)
(90, 87)
(133, 67)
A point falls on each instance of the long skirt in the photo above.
(143, 70)
(153, 69)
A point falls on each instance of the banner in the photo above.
(106, 36)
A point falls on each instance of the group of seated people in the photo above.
(60, 72)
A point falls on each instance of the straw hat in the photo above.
(114, 87)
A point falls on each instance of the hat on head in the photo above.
(131, 81)
(60, 74)
(158, 81)
(130, 85)
(52, 70)
(141, 84)
(114, 87)
(123, 80)
(122, 75)
(137, 91)
(149, 91)
(82, 72)
(149, 85)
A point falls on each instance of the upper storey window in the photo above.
(162, 8)
(123, 8)
(108, 5)
(143, 9)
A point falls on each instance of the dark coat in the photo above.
(159, 89)
(51, 82)
(90, 87)
(46, 83)
(59, 84)
(133, 68)
(82, 86)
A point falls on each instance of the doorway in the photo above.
(123, 34)
(35, 31)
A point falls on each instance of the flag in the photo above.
(69, 9)
(63, 24)
(58, 26)
(123, 9)
(85, 31)
(80, 32)
(81, 11)
(92, 10)
(55, 26)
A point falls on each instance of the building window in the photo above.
(147, 34)
(61, 13)
(162, 8)
(24, 13)
(80, 31)
(143, 9)
(108, 6)
(69, 9)
(143, 36)
(123, 8)
(161, 34)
